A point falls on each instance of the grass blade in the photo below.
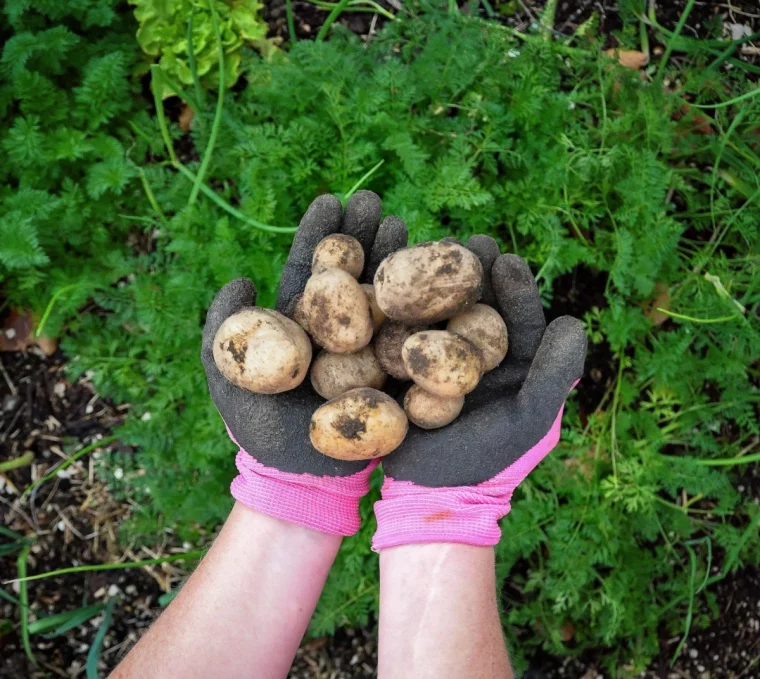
(331, 18)
(108, 566)
(291, 23)
(16, 462)
(60, 623)
(671, 43)
(361, 181)
(68, 462)
(217, 114)
(23, 595)
(97, 644)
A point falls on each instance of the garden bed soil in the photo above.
(76, 521)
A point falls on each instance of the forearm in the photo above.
(245, 609)
(438, 613)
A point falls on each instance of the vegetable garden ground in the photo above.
(631, 191)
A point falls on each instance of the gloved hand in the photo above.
(453, 484)
(281, 474)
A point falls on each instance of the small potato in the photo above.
(335, 374)
(336, 312)
(429, 411)
(338, 251)
(443, 363)
(359, 425)
(261, 350)
(298, 313)
(388, 344)
(378, 317)
(485, 328)
(428, 283)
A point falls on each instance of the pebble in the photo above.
(693, 653)
(113, 590)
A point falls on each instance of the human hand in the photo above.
(281, 474)
(453, 484)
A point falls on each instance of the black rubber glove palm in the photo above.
(515, 405)
(275, 428)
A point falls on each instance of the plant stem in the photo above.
(331, 18)
(728, 462)
(108, 566)
(68, 462)
(291, 22)
(671, 43)
(93, 655)
(23, 595)
(361, 181)
(16, 462)
(217, 114)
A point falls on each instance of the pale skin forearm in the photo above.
(438, 614)
(245, 609)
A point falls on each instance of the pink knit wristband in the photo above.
(329, 504)
(411, 514)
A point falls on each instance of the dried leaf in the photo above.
(185, 118)
(17, 333)
(661, 300)
(698, 123)
(629, 58)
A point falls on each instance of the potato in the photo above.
(335, 374)
(261, 350)
(378, 317)
(298, 313)
(359, 425)
(428, 283)
(485, 328)
(336, 312)
(443, 363)
(338, 251)
(388, 344)
(429, 411)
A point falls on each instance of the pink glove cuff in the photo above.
(411, 514)
(329, 504)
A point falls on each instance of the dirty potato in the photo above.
(263, 351)
(359, 425)
(429, 411)
(428, 283)
(485, 328)
(388, 344)
(443, 363)
(338, 251)
(335, 374)
(336, 312)
(378, 317)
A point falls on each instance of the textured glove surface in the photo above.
(274, 429)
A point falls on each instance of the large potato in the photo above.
(485, 328)
(388, 344)
(428, 283)
(336, 312)
(335, 374)
(338, 251)
(443, 363)
(262, 351)
(429, 411)
(378, 317)
(359, 425)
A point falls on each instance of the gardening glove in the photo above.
(280, 472)
(453, 484)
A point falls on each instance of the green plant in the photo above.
(611, 186)
(182, 35)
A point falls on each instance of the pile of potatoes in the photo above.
(420, 321)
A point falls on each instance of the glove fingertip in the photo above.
(391, 236)
(362, 217)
